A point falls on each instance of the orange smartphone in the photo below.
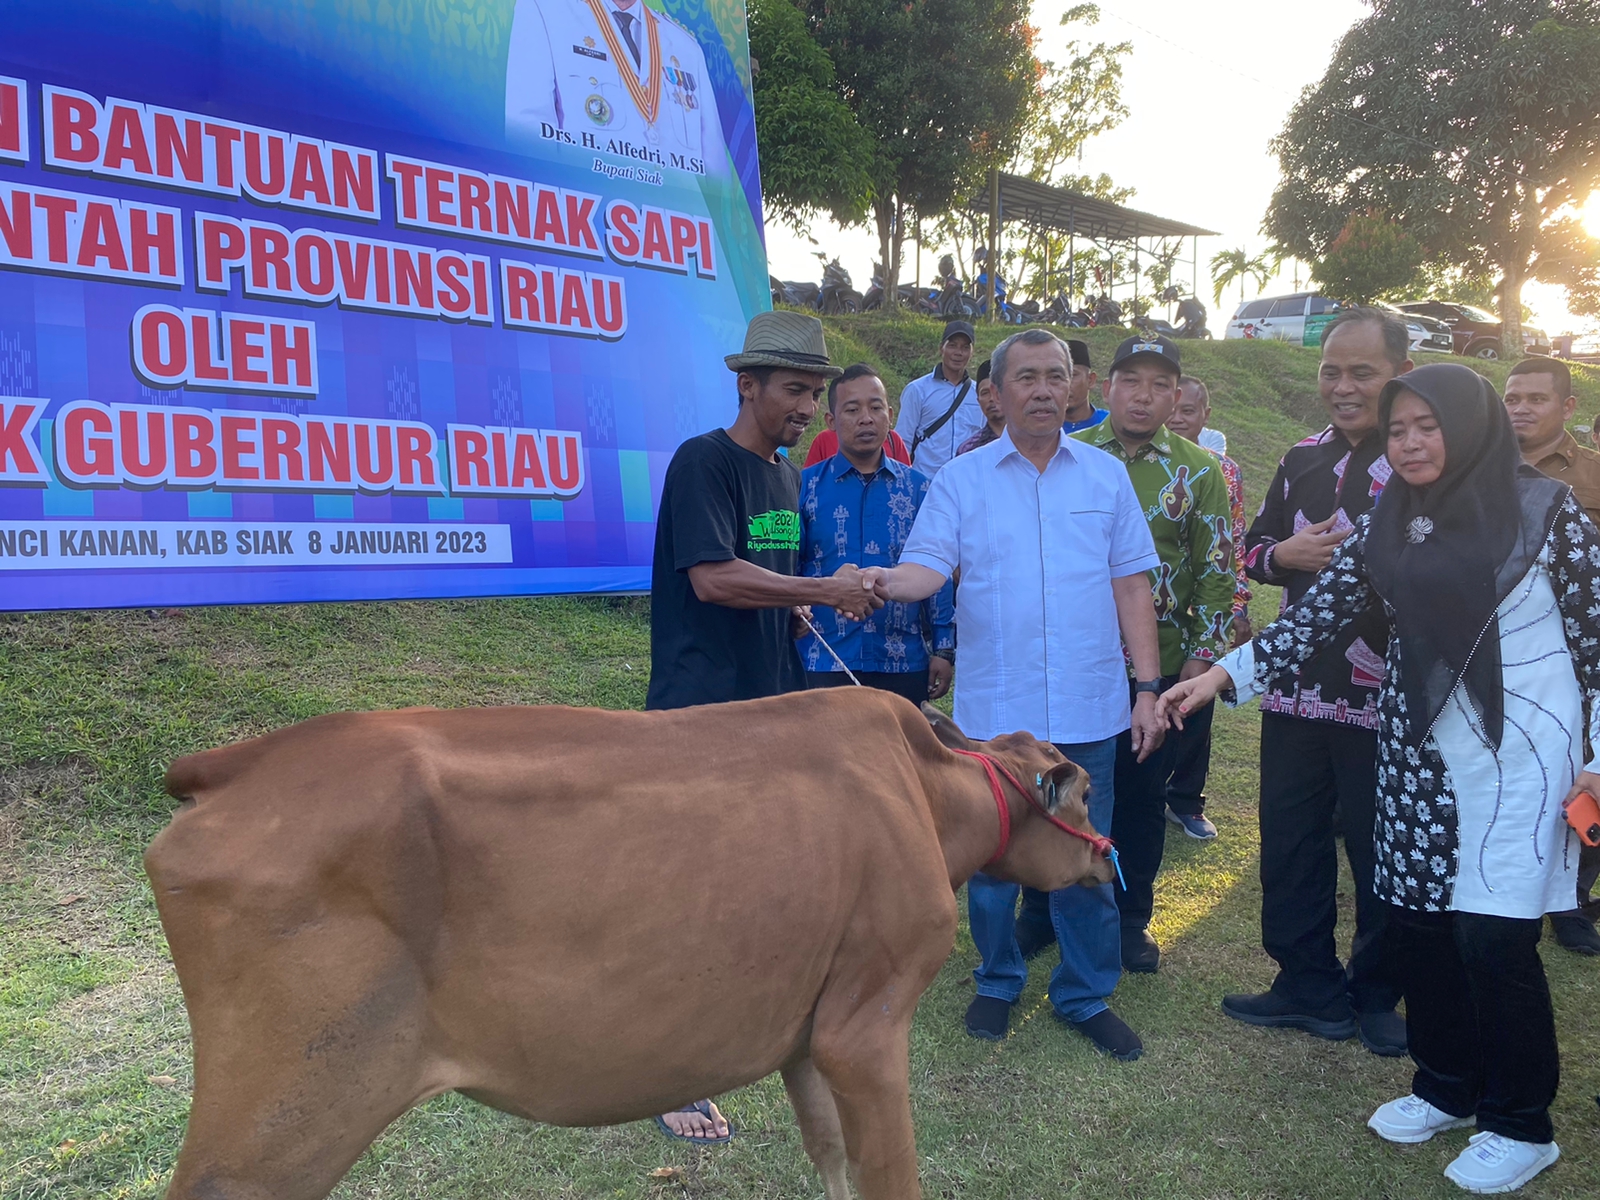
(1583, 814)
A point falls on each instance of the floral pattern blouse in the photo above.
(1417, 842)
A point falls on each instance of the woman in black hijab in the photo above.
(1489, 574)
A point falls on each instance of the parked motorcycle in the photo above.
(873, 300)
(833, 296)
(1103, 311)
(946, 298)
(1191, 315)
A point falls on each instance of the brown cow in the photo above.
(578, 916)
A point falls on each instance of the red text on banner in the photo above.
(497, 461)
(68, 233)
(174, 148)
(134, 445)
(359, 272)
(229, 352)
(645, 236)
(13, 119)
(558, 300)
(454, 200)
(20, 461)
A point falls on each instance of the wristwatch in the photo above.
(1153, 686)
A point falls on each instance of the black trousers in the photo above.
(1478, 1018)
(1588, 874)
(1191, 761)
(1310, 769)
(913, 685)
(1139, 822)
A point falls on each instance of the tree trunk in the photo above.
(1510, 300)
(883, 210)
(897, 241)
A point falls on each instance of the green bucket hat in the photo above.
(784, 339)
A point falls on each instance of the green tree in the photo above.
(1228, 266)
(1371, 257)
(1079, 98)
(1435, 281)
(815, 157)
(1474, 124)
(942, 87)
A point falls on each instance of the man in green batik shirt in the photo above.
(1185, 500)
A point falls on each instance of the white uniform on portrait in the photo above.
(613, 77)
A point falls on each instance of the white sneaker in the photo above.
(1412, 1119)
(1492, 1163)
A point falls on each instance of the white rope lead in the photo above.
(817, 634)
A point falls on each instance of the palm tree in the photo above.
(1230, 265)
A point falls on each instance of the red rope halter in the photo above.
(1102, 845)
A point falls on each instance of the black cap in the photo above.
(1147, 347)
(1079, 352)
(983, 371)
(955, 327)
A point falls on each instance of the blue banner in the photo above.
(329, 301)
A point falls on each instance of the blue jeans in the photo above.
(1085, 918)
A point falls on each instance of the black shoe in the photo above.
(1033, 938)
(1336, 1023)
(988, 1018)
(1140, 952)
(1575, 932)
(1110, 1035)
(1384, 1033)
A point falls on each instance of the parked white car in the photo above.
(1299, 319)
(1279, 318)
(1426, 333)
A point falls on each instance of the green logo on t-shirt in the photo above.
(776, 529)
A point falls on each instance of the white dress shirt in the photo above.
(1038, 642)
(923, 402)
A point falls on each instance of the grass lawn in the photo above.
(94, 1058)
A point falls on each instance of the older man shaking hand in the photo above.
(1052, 547)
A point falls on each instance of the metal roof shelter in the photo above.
(1013, 198)
(1056, 208)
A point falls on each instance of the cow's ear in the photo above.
(1059, 783)
(945, 729)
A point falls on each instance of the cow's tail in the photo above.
(192, 777)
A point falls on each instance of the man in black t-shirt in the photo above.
(725, 590)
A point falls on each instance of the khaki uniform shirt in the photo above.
(1579, 468)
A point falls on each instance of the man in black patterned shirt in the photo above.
(1318, 729)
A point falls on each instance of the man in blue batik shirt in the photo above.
(858, 507)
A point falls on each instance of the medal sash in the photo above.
(646, 97)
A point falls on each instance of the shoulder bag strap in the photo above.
(924, 435)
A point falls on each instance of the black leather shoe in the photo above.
(988, 1018)
(1033, 938)
(1140, 952)
(1384, 1033)
(1576, 932)
(1110, 1035)
(1272, 1011)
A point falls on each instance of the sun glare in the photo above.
(1591, 214)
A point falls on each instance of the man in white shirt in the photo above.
(611, 77)
(939, 411)
(1052, 547)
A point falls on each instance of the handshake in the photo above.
(856, 593)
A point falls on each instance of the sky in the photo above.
(1208, 84)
